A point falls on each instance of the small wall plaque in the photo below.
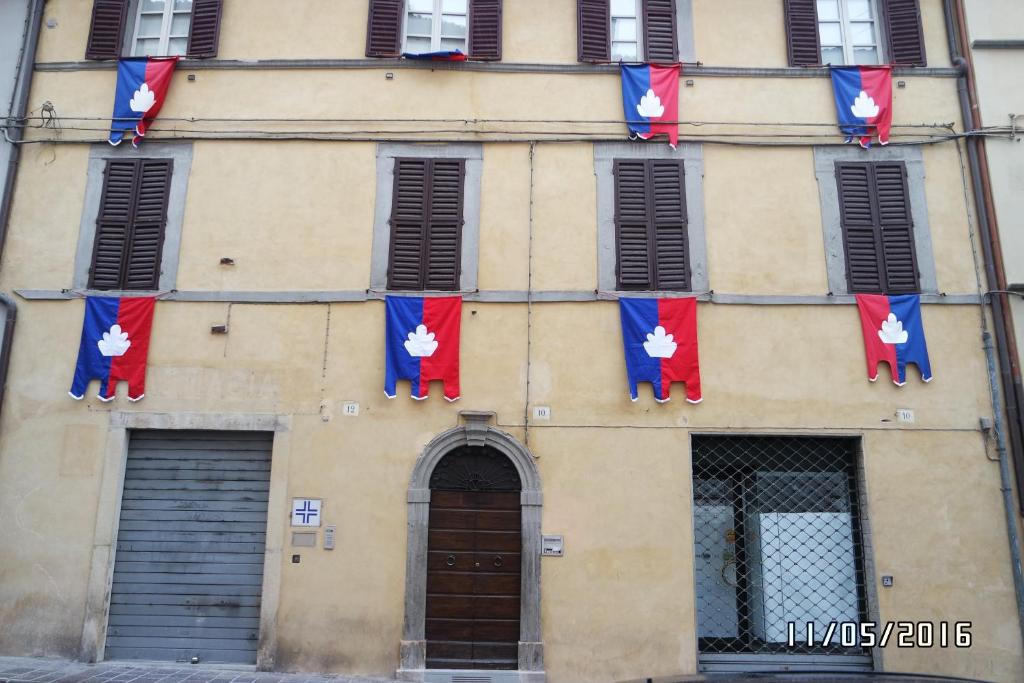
(552, 546)
(304, 539)
(306, 511)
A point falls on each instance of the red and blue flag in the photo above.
(863, 102)
(114, 346)
(142, 85)
(439, 56)
(660, 339)
(893, 333)
(650, 100)
(422, 343)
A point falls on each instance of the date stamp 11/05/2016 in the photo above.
(942, 634)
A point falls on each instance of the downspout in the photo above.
(1006, 345)
(956, 31)
(16, 112)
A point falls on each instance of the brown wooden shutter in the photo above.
(131, 224)
(485, 29)
(426, 224)
(384, 28)
(593, 27)
(903, 31)
(659, 21)
(106, 31)
(650, 226)
(444, 232)
(897, 228)
(204, 33)
(802, 32)
(671, 246)
(877, 228)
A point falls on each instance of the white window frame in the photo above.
(637, 16)
(165, 29)
(435, 27)
(846, 32)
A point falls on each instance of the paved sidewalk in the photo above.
(40, 670)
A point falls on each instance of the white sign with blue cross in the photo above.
(306, 511)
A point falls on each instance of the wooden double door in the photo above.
(473, 580)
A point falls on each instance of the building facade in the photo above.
(543, 526)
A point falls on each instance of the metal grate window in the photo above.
(778, 542)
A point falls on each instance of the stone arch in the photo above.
(476, 432)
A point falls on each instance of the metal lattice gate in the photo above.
(188, 574)
(779, 555)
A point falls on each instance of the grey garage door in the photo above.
(189, 566)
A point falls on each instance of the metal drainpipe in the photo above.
(956, 31)
(1006, 347)
(17, 110)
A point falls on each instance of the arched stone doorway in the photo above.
(474, 456)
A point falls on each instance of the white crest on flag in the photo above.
(864, 107)
(421, 343)
(650, 105)
(659, 344)
(892, 331)
(143, 100)
(114, 343)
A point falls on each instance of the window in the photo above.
(854, 32)
(625, 16)
(778, 539)
(154, 28)
(132, 217)
(848, 31)
(875, 220)
(426, 225)
(433, 25)
(130, 224)
(471, 26)
(161, 28)
(650, 213)
(878, 230)
(629, 30)
(650, 225)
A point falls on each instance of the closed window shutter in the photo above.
(650, 226)
(384, 28)
(426, 224)
(877, 228)
(671, 246)
(445, 225)
(903, 31)
(485, 29)
(897, 228)
(802, 32)
(593, 25)
(106, 31)
(204, 33)
(660, 43)
(131, 224)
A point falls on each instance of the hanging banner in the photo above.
(142, 85)
(114, 346)
(439, 56)
(660, 340)
(893, 333)
(650, 100)
(863, 97)
(422, 343)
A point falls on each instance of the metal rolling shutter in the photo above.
(189, 568)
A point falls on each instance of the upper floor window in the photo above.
(157, 28)
(854, 32)
(434, 25)
(626, 44)
(162, 28)
(848, 31)
(417, 26)
(627, 30)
